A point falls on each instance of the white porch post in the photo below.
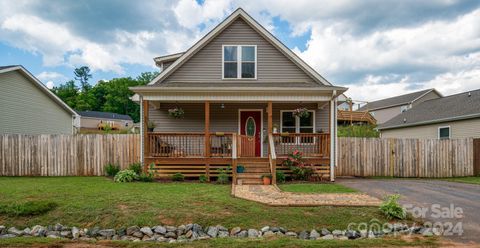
(142, 158)
(333, 137)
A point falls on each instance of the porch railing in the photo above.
(310, 144)
(189, 144)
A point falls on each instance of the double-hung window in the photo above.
(293, 124)
(239, 61)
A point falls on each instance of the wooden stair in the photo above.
(254, 170)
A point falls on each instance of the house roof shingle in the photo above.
(454, 107)
(103, 115)
(394, 101)
(7, 66)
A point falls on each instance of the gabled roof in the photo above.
(39, 84)
(104, 115)
(240, 13)
(397, 100)
(454, 107)
(167, 58)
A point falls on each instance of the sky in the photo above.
(376, 48)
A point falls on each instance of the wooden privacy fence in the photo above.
(87, 154)
(405, 157)
(66, 155)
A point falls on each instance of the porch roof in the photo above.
(213, 93)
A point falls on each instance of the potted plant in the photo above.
(240, 168)
(150, 126)
(301, 113)
(267, 179)
(176, 112)
(275, 128)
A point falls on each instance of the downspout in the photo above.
(333, 135)
(142, 159)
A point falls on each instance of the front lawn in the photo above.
(318, 188)
(230, 242)
(471, 180)
(97, 201)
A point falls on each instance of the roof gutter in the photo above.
(152, 89)
(456, 118)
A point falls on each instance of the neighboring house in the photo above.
(236, 86)
(385, 109)
(455, 116)
(29, 107)
(98, 120)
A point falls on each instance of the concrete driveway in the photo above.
(424, 193)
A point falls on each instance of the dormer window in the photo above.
(239, 61)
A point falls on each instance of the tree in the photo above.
(146, 77)
(68, 92)
(82, 75)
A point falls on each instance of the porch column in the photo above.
(207, 138)
(269, 132)
(146, 141)
(333, 137)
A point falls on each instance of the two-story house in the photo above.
(237, 96)
(385, 109)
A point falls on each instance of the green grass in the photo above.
(471, 180)
(316, 188)
(28, 208)
(97, 201)
(229, 242)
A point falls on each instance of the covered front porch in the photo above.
(250, 129)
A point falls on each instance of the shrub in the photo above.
(178, 177)
(29, 208)
(125, 176)
(368, 131)
(202, 178)
(281, 178)
(111, 170)
(136, 167)
(223, 175)
(300, 170)
(147, 177)
(392, 209)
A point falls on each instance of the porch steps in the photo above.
(253, 172)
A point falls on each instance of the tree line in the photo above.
(107, 96)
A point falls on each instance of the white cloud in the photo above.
(50, 84)
(51, 75)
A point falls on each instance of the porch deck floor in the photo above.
(271, 195)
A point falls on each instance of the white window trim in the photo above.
(449, 132)
(239, 62)
(297, 123)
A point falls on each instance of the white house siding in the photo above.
(25, 109)
(458, 129)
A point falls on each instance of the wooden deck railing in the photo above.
(176, 144)
(310, 144)
(246, 146)
(221, 144)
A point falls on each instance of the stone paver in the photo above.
(273, 196)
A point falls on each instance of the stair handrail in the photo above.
(272, 158)
(234, 158)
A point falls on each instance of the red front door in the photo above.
(251, 126)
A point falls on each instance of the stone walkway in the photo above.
(273, 196)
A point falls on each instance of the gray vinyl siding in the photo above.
(272, 65)
(383, 115)
(458, 129)
(25, 109)
(226, 119)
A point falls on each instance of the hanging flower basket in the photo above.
(176, 112)
(301, 113)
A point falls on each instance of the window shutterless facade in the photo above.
(239, 62)
(293, 124)
(444, 132)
